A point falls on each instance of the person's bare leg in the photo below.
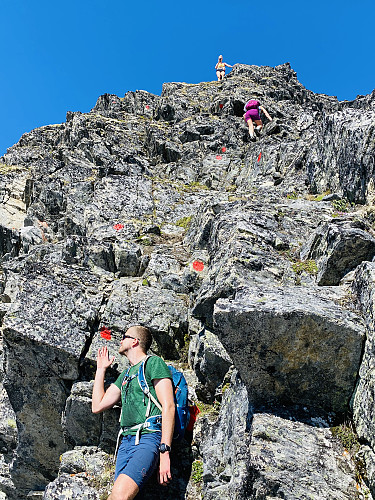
(259, 124)
(125, 488)
(218, 74)
(251, 127)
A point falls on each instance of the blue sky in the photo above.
(60, 56)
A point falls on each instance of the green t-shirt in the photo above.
(134, 402)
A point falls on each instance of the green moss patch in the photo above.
(305, 266)
(184, 222)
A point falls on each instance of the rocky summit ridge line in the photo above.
(103, 220)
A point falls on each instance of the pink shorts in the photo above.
(252, 114)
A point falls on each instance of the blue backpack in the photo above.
(180, 388)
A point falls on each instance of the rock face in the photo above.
(250, 261)
(364, 402)
(283, 342)
(338, 248)
(296, 450)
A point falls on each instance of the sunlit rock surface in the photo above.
(251, 262)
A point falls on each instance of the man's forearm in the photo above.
(98, 389)
(166, 437)
(167, 426)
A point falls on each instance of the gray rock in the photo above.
(88, 459)
(291, 460)
(283, 341)
(224, 447)
(345, 165)
(45, 333)
(80, 425)
(161, 310)
(364, 402)
(338, 248)
(210, 362)
(31, 236)
(366, 464)
(8, 424)
(8, 490)
(67, 488)
(127, 259)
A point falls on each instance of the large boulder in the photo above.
(275, 457)
(45, 334)
(283, 340)
(81, 427)
(341, 159)
(338, 247)
(293, 460)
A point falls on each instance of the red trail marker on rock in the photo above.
(198, 265)
(105, 333)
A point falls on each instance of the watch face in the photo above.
(164, 447)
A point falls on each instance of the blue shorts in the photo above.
(138, 461)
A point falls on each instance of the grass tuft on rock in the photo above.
(305, 266)
(184, 222)
(197, 471)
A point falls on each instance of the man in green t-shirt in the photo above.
(137, 460)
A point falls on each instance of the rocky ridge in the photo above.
(103, 221)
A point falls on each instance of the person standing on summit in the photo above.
(145, 441)
(220, 68)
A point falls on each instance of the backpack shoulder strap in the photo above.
(142, 381)
(124, 380)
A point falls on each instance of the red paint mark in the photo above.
(218, 157)
(260, 156)
(223, 149)
(118, 227)
(221, 106)
(105, 333)
(198, 265)
(147, 106)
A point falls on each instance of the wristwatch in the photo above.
(164, 447)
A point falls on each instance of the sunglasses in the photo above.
(128, 337)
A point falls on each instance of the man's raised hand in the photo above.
(103, 360)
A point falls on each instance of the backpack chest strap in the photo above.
(152, 423)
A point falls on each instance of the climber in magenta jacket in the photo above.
(252, 114)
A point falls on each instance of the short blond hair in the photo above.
(143, 335)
